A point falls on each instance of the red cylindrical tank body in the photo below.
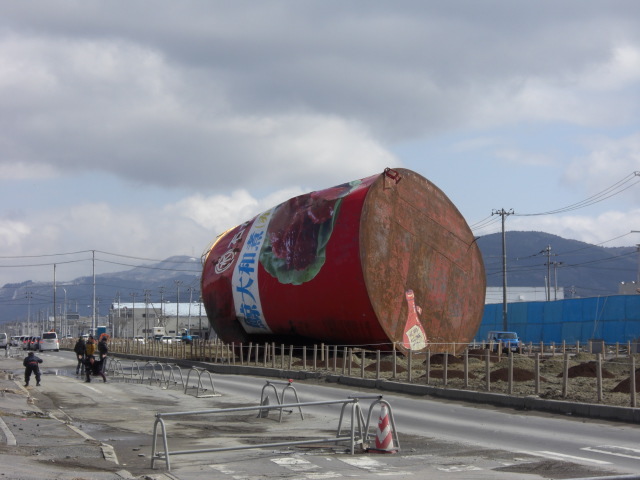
(386, 260)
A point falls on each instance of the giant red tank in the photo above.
(383, 261)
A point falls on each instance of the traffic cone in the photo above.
(384, 434)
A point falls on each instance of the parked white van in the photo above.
(4, 341)
(49, 341)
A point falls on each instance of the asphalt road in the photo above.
(106, 431)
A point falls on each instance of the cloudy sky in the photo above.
(144, 129)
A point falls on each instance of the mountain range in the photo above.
(532, 258)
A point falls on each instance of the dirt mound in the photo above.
(519, 375)
(625, 385)
(438, 359)
(587, 370)
(385, 366)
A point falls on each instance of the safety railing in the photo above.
(200, 390)
(163, 373)
(356, 436)
(271, 385)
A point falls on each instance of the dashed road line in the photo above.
(616, 451)
(562, 456)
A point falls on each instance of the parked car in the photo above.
(506, 340)
(166, 339)
(4, 341)
(24, 341)
(16, 341)
(139, 340)
(49, 341)
(34, 343)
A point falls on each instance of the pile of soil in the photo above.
(438, 359)
(625, 385)
(588, 369)
(385, 366)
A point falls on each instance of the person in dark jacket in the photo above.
(79, 349)
(31, 365)
(94, 367)
(103, 349)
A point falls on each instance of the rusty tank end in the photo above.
(382, 261)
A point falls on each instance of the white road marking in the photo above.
(10, 439)
(562, 456)
(458, 468)
(373, 466)
(295, 464)
(616, 451)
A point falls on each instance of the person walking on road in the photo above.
(94, 367)
(79, 348)
(90, 347)
(31, 365)
(103, 349)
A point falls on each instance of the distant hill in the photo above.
(584, 270)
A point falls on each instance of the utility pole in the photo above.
(29, 295)
(503, 213)
(178, 283)
(147, 294)
(93, 316)
(555, 276)
(133, 320)
(549, 263)
(55, 311)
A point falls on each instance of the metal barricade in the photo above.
(165, 376)
(354, 439)
(199, 387)
(288, 386)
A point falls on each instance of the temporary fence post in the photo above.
(377, 364)
(445, 368)
(427, 367)
(304, 357)
(536, 373)
(335, 358)
(632, 381)
(565, 376)
(290, 357)
(322, 353)
(344, 360)
(349, 354)
(363, 352)
(394, 361)
(266, 354)
(315, 357)
(487, 369)
(599, 376)
(466, 367)
(510, 383)
(273, 354)
(409, 365)
(282, 356)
